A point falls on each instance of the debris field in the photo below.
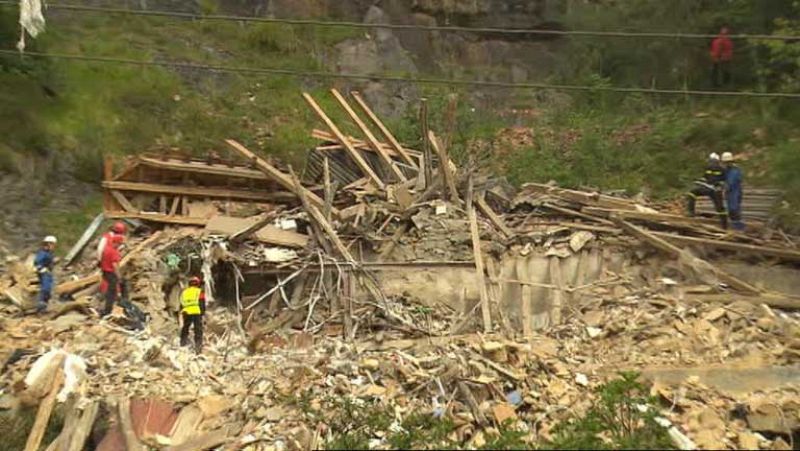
(388, 276)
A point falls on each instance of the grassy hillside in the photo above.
(78, 111)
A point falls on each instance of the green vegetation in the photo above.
(623, 417)
(16, 426)
(653, 144)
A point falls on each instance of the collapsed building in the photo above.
(393, 267)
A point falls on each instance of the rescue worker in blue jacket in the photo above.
(733, 190)
(193, 307)
(712, 185)
(43, 262)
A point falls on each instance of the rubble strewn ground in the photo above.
(311, 344)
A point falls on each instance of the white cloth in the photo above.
(31, 19)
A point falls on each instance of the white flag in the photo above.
(31, 20)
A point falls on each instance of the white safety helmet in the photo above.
(50, 239)
(713, 156)
(727, 156)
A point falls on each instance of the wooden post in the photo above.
(328, 189)
(521, 268)
(426, 146)
(274, 174)
(343, 140)
(450, 120)
(43, 414)
(444, 167)
(371, 140)
(389, 137)
(83, 428)
(478, 255)
(556, 280)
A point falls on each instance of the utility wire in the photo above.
(438, 81)
(308, 22)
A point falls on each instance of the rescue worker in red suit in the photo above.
(721, 56)
(193, 307)
(118, 228)
(109, 265)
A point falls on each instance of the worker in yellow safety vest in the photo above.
(193, 307)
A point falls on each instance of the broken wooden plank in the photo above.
(186, 425)
(663, 245)
(278, 176)
(582, 197)
(354, 153)
(197, 191)
(496, 220)
(427, 160)
(326, 179)
(785, 254)
(123, 202)
(775, 300)
(203, 168)
(373, 142)
(363, 146)
(478, 256)
(83, 240)
(75, 285)
(155, 217)
(228, 226)
(43, 413)
(385, 131)
(82, 428)
(654, 217)
(469, 398)
(444, 167)
(174, 208)
(242, 234)
(208, 440)
(577, 214)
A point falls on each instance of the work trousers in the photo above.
(45, 291)
(197, 322)
(721, 74)
(112, 285)
(716, 199)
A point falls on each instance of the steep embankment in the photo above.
(60, 116)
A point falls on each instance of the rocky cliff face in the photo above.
(478, 56)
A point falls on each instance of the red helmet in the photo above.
(195, 281)
(119, 228)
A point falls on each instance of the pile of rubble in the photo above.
(388, 276)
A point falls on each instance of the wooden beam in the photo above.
(373, 142)
(84, 239)
(450, 120)
(173, 210)
(197, 191)
(582, 197)
(784, 254)
(663, 245)
(385, 131)
(204, 168)
(360, 162)
(156, 217)
(577, 214)
(43, 413)
(83, 428)
(427, 159)
(123, 202)
(326, 178)
(360, 145)
(444, 167)
(278, 176)
(496, 220)
(126, 426)
(478, 256)
(775, 300)
(653, 217)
